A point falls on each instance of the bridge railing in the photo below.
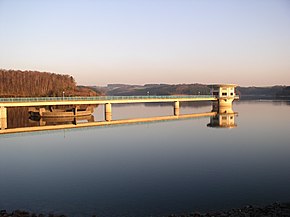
(100, 98)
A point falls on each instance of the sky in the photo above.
(98, 42)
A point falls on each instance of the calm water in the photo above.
(150, 169)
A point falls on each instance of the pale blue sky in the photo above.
(163, 41)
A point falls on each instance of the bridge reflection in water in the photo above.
(218, 118)
(47, 121)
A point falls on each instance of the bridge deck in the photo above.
(42, 101)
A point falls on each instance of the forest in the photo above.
(16, 83)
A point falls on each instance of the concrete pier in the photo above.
(108, 112)
(75, 110)
(3, 112)
(3, 118)
(3, 123)
(41, 111)
(176, 108)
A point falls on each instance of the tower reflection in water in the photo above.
(224, 118)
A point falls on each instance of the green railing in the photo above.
(100, 98)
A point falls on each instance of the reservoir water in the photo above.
(151, 169)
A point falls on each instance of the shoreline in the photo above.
(275, 209)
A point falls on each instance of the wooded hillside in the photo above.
(191, 89)
(32, 83)
(154, 89)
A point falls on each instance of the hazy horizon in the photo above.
(136, 42)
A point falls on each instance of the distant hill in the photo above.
(153, 89)
(260, 92)
(188, 89)
(15, 83)
(284, 93)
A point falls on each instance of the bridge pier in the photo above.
(41, 111)
(108, 112)
(176, 108)
(3, 118)
(75, 110)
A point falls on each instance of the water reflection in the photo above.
(150, 169)
(225, 118)
(47, 121)
(19, 119)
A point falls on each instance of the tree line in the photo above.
(16, 83)
(191, 89)
(156, 89)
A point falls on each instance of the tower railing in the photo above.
(99, 98)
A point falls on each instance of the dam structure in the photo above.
(222, 94)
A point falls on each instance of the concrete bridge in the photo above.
(223, 94)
